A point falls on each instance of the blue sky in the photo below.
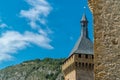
(31, 29)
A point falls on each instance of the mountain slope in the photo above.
(47, 69)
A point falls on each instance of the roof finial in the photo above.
(84, 14)
(84, 18)
(84, 9)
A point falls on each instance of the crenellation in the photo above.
(68, 62)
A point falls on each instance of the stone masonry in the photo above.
(107, 38)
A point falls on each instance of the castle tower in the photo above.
(79, 65)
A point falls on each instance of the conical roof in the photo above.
(84, 18)
(84, 45)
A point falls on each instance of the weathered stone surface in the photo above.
(107, 39)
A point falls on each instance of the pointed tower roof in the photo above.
(84, 45)
(84, 18)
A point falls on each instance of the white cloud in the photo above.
(37, 13)
(2, 25)
(12, 41)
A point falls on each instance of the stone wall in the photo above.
(107, 39)
(71, 75)
(78, 67)
(84, 74)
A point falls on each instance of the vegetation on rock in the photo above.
(46, 69)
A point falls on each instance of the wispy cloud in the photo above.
(2, 24)
(12, 41)
(37, 13)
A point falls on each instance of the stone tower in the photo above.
(79, 65)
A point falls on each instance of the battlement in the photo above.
(78, 62)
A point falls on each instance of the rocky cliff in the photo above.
(47, 69)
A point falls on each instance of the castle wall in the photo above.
(78, 67)
(84, 67)
(107, 39)
(68, 68)
(71, 75)
(83, 74)
(68, 62)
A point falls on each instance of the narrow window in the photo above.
(76, 64)
(92, 56)
(90, 66)
(82, 64)
(86, 65)
(79, 64)
(86, 56)
(79, 55)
